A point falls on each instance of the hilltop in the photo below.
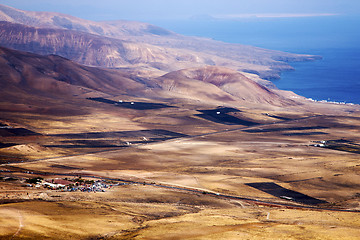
(141, 43)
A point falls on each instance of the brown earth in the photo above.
(214, 158)
(182, 170)
(221, 162)
(125, 43)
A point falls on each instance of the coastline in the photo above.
(336, 51)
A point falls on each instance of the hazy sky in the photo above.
(147, 10)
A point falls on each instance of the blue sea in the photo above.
(336, 38)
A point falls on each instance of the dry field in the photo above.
(180, 175)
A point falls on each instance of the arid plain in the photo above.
(155, 199)
(206, 152)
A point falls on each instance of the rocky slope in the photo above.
(26, 77)
(220, 84)
(94, 50)
(162, 50)
(54, 75)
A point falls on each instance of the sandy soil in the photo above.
(211, 158)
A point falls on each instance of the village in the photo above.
(71, 185)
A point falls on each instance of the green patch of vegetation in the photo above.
(89, 181)
(34, 180)
(79, 180)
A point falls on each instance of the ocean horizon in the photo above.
(336, 77)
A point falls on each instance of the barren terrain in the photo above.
(185, 150)
(190, 182)
(135, 45)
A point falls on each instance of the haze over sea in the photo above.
(336, 38)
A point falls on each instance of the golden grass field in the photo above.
(212, 158)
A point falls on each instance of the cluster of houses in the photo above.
(75, 185)
(328, 101)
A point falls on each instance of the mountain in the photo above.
(125, 43)
(74, 57)
(83, 48)
(94, 50)
(52, 75)
(34, 79)
(115, 29)
(220, 84)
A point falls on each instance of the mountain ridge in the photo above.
(29, 75)
(235, 85)
(266, 63)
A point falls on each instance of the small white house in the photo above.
(53, 186)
